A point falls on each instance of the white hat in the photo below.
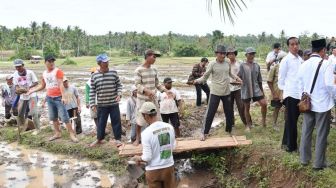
(148, 108)
(9, 77)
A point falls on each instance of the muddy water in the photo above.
(20, 167)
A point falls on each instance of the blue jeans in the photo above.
(103, 113)
(57, 109)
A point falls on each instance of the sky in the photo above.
(190, 17)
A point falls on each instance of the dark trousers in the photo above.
(289, 138)
(236, 97)
(173, 117)
(199, 88)
(212, 109)
(78, 122)
(8, 111)
(103, 113)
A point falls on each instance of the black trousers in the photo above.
(78, 122)
(173, 117)
(199, 88)
(289, 139)
(212, 109)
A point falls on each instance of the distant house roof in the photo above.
(36, 57)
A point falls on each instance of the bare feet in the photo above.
(55, 137)
(96, 143)
(73, 138)
(117, 143)
(203, 137)
(136, 143)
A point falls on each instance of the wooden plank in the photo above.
(189, 145)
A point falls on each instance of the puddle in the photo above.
(20, 167)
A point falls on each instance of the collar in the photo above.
(315, 55)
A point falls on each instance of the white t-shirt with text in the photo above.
(158, 143)
(25, 82)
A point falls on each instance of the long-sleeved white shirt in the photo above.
(287, 78)
(322, 97)
(158, 142)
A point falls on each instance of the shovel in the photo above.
(135, 170)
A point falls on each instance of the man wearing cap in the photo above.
(235, 94)
(197, 72)
(322, 100)
(158, 143)
(25, 79)
(72, 104)
(106, 85)
(271, 57)
(276, 93)
(52, 80)
(252, 89)
(8, 95)
(288, 83)
(220, 72)
(93, 114)
(306, 54)
(170, 105)
(147, 83)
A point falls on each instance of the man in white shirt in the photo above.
(170, 103)
(332, 57)
(288, 82)
(24, 80)
(158, 142)
(271, 57)
(322, 100)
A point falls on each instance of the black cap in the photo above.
(276, 45)
(320, 43)
(204, 59)
(167, 80)
(49, 58)
(220, 49)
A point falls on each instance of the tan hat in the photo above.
(65, 78)
(8, 77)
(148, 108)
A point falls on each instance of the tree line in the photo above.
(43, 39)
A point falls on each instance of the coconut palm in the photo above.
(227, 8)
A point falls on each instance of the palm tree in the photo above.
(34, 30)
(227, 8)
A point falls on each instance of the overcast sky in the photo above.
(179, 16)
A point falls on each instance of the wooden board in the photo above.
(190, 145)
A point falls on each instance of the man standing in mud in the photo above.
(25, 79)
(220, 72)
(147, 84)
(158, 142)
(8, 96)
(105, 84)
(289, 84)
(52, 80)
(197, 72)
(252, 89)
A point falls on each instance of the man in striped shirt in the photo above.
(147, 83)
(105, 84)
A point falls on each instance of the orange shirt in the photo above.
(50, 78)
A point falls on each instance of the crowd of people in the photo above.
(153, 108)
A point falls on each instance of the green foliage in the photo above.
(124, 53)
(24, 53)
(188, 50)
(51, 49)
(135, 59)
(97, 49)
(69, 61)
